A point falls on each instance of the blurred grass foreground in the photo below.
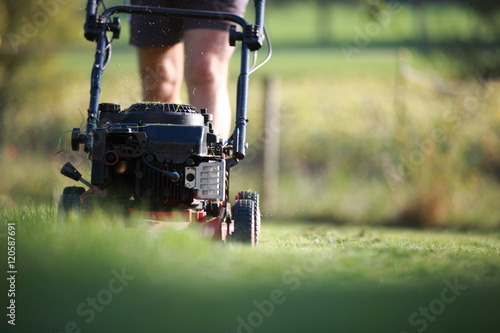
(388, 110)
(103, 277)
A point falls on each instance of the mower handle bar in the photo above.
(95, 30)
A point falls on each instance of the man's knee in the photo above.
(161, 71)
(204, 70)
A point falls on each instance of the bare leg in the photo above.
(206, 70)
(162, 72)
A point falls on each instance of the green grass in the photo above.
(320, 277)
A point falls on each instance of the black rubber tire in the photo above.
(254, 196)
(69, 201)
(244, 221)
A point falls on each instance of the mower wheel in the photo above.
(254, 196)
(69, 201)
(244, 221)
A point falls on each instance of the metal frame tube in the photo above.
(95, 89)
(180, 13)
(239, 134)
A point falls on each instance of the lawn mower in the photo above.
(164, 160)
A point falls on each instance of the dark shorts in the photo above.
(156, 31)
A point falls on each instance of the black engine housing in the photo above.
(144, 153)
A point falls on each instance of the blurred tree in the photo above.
(32, 33)
(475, 56)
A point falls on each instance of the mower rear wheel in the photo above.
(69, 201)
(244, 221)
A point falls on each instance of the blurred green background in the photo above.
(389, 110)
(388, 117)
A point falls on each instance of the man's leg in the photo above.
(206, 69)
(162, 71)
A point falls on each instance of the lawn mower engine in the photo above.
(159, 157)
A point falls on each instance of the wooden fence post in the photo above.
(271, 150)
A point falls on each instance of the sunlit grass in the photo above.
(105, 239)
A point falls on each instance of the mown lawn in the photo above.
(98, 276)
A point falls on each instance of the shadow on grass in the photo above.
(54, 302)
